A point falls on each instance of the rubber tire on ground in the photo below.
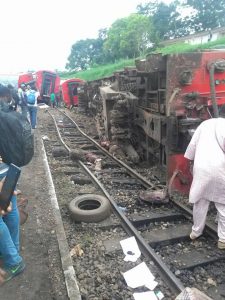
(89, 215)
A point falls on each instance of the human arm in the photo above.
(3, 212)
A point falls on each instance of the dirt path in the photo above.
(42, 278)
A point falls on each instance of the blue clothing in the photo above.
(9, 230)
(24, 111)
(33, 115)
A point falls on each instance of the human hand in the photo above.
(190, 166)
(2, 274)
(3, 212)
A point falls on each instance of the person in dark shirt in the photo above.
(13, 263)
(15, 96)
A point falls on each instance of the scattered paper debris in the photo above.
(76, 251)
(145, 296)
(139, 276)
(159, 295)
(130, 249)
(45, 138)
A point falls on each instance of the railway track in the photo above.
(162, 231)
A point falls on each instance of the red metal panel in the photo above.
(182, 182)
(197, 65)
(67, 88)
(25, 78)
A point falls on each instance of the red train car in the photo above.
(69, 91)
(46, 82)
(26, 78)
(197, 81)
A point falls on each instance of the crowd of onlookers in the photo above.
(18, 105)
(15, 104)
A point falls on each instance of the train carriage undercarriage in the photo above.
(149, 112)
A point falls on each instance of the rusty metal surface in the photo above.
(153, 63)
(150, 123)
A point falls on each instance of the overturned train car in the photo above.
(69, 91)
(46, 82)
(153, 109)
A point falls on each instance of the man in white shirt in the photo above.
(207, 151)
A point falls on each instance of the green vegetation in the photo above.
(107, 70)
(185, 47)
(98, 71)
(135, 35)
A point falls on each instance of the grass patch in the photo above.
(108, 70)
(99, 71)
(184, 47)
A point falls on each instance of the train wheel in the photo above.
(89, 208)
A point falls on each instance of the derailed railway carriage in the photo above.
(153, 109)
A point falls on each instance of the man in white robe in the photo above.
(207, 150)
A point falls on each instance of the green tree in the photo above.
(128, 37)
(208, 14)
(85, 53)
(167, 20)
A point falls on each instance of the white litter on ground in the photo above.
(130, 249)
(140, 276)
(145, 296)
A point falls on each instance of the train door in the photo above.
(73, 95)
(48, 84)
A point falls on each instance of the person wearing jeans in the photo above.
(32, 106)
(33, 115)
(9, 236)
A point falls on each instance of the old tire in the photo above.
(89, 208)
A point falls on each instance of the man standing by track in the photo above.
(32, 96)
(207, 152)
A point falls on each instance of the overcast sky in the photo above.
(39, 34)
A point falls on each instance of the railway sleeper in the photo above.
(129, 181)
(80, 179)
(193, 259)
(138, 220)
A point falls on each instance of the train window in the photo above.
(75, 91)
(152, 125)
(46, 86)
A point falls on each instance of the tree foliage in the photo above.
(182, 17)
(208, 14)
(85, 53)
(128, 37)
(154, 21)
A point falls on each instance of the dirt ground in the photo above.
(43, 278)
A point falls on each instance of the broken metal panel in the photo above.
(150, 123)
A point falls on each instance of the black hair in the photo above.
(10, 86)
(4, 91)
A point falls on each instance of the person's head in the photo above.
(222, 111)
(23, 86)
(28, 87)
(10, 86)
(5, 94)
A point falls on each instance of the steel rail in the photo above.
(211, 230)
(172, 281)
(146, 183)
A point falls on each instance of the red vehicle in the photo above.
(46, 82)
(69, 91)
(26, 78)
